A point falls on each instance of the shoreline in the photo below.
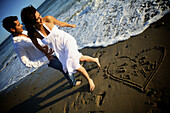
(133, 78)
(102, 46)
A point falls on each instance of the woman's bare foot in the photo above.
(78, 83)
(97, 62)
(92, 86)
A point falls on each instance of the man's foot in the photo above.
(78, 83)
(92, 86)
(97, 62)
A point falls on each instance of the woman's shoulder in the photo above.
(48, 18)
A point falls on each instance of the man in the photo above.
(29, 55)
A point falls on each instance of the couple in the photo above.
(45, 30)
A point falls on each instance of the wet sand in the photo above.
(134, 78)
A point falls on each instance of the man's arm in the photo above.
(53, 20)
(22, 54)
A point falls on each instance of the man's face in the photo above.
(18, 27)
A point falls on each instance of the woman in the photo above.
(63, 44)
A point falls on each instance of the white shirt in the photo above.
(29, 55)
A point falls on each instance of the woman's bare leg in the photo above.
(84, 72)
(90, 59)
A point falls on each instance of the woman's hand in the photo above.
(73, 26)
(49, 54)
(45, 48)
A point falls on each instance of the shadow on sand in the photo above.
(32, 105)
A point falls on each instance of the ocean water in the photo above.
(99, 23)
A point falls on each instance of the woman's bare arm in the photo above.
(42, 49)
(53, 20)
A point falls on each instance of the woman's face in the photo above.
(38, 19)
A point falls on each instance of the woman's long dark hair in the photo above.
(28, 18)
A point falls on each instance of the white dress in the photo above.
(65, 48)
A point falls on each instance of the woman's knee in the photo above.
(82, 58)
(79, 69)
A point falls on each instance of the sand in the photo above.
(134, 78)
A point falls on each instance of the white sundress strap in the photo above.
(46, 27)
(40, 33)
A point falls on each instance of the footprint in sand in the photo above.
(96, 111)
(85, 99)
(99, 98)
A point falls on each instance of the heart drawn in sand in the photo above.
(137, 71)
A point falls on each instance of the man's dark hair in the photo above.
(8, 22)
